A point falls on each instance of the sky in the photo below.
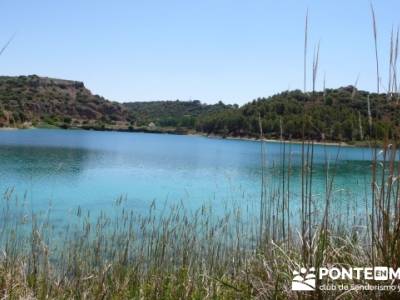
(208, 50)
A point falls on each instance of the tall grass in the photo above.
(168, 253)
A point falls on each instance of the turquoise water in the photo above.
(71, 168)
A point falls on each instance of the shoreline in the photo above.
(250, 139)
(194, 133)
(9, 128)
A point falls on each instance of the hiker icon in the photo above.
(304, 280)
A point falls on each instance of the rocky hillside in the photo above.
(30, 100)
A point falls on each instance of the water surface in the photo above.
(71, 168)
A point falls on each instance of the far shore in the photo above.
(8, 128)
(342, 144)
(194, 133)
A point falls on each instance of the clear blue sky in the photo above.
(209, 50)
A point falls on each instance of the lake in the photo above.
(66, 169)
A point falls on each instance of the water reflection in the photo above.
(92, 169)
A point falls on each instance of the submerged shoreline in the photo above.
(177, 131)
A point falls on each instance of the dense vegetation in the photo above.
(343, 114)
(336, 114)
(173, 113)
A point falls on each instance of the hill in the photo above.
(334, 115)
(41, 100)
(343, 114)
(172, 113)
